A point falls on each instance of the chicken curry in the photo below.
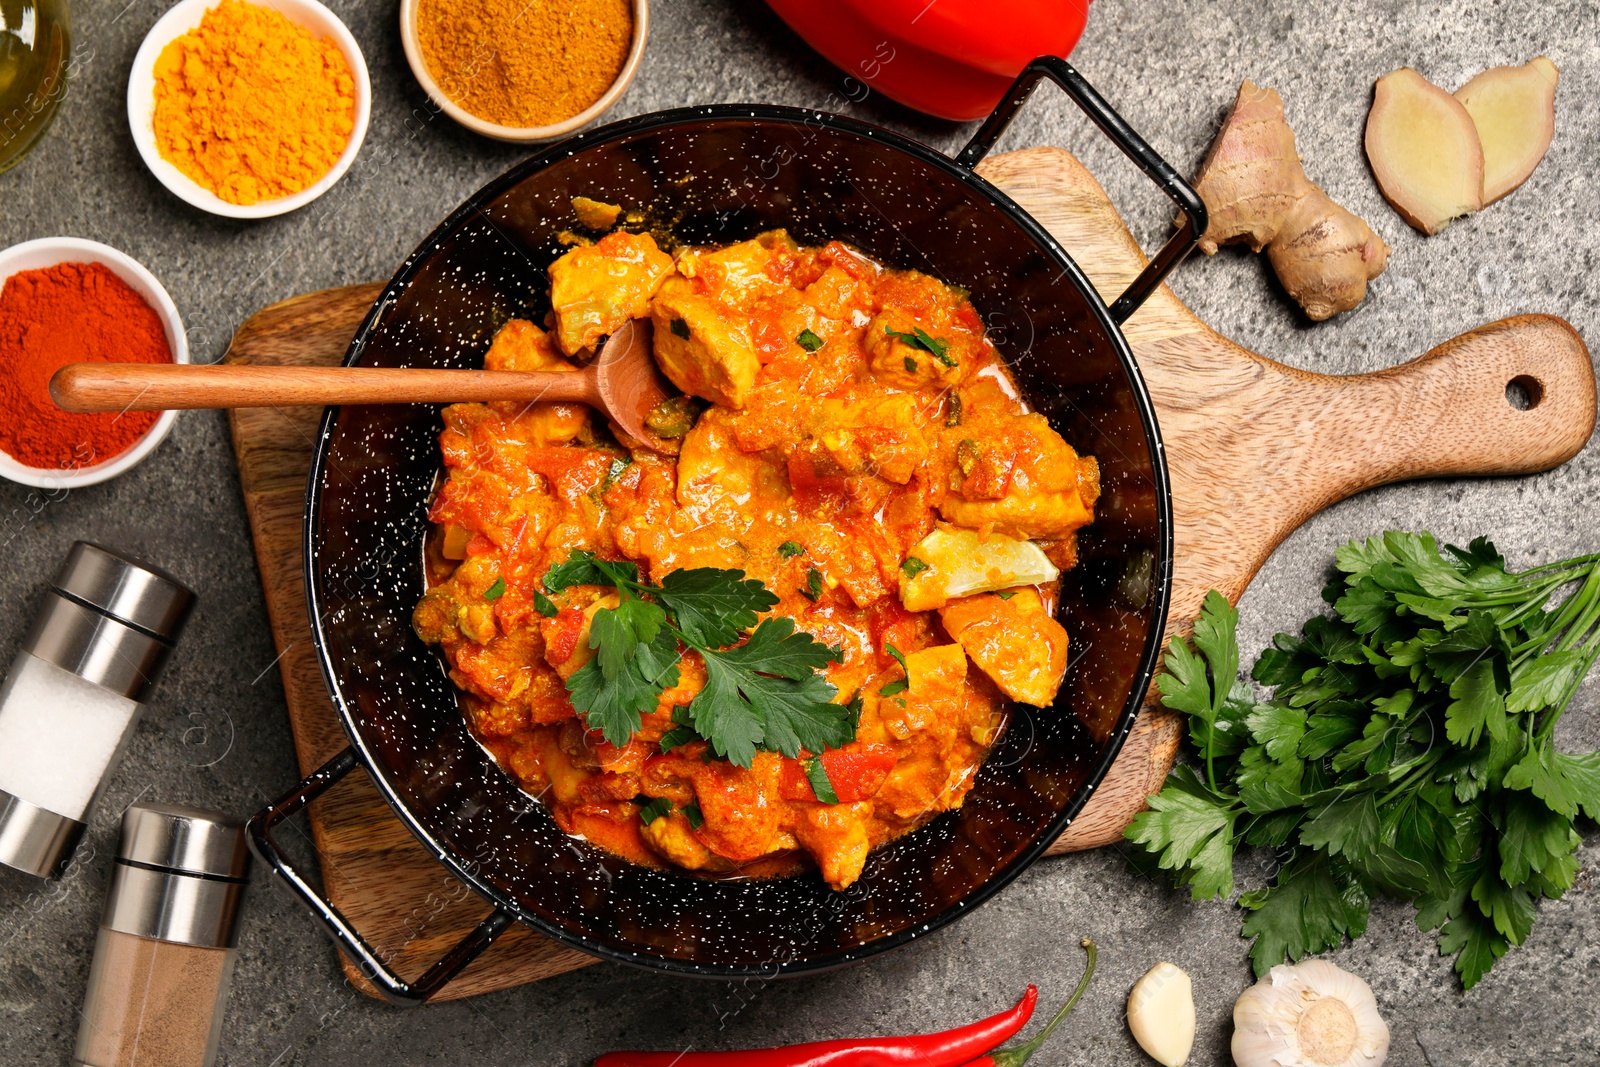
(850, 438)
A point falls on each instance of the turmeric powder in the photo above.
(524, 62)
(251, 105)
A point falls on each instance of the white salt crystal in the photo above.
(60, 736)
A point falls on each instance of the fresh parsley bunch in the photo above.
(1405, 752)
(765, 693)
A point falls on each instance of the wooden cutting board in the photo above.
(1255, 448)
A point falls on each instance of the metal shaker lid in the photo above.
(185, 840)
(125, 588)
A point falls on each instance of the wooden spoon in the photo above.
(623, 382)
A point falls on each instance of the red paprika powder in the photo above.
(70, 313)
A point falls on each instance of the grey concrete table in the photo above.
(217, 734)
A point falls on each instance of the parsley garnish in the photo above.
(913, 566)
(692, 813)
(790, 549)
(813, 587)
(495, 591)
(919, 338)
(680, 328)
(655, 809)
(952, 414)
(809, 341)
(1006, 594)
(763, 694)
(911, 365)
(1405, 751)
(818, 776)
(680, 735)
(899, 685)
(544, 605)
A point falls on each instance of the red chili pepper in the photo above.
(949, 1048)
(953, 58)
(1016, 1057)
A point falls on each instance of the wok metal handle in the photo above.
(1133, 146)
(390, 985)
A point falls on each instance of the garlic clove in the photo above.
(1310, 1014)
(1161, 1014)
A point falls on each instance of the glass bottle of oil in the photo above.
(34, 48)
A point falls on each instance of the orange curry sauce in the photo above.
(837, 460)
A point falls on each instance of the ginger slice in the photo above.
(1424, 151)
(1514, 109)
(1257, 193)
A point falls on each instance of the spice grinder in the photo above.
(73, 696)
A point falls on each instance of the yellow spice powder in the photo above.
(524, 62)
(251, 105)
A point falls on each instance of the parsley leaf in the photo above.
(817, 774)
(692, 813)
(544, 605)
(495, 591)
(813, 587)
(1404, 751)
(615, 704)
(809, 341)
(912, 566)
(713, 607)
(766, 693)
(655, 809)
(920, 338)
(791, 549)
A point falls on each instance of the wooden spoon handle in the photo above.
(1450, 412)
(161, 387)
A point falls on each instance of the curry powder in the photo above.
(251, 105)
(524, 62)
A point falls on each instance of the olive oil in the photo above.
(34, 49)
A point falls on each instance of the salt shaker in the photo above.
(73, 696)
(164, 955)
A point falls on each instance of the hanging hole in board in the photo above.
(1524, 392)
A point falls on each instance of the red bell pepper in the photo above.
(949, 58)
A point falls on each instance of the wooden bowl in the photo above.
(522, 134)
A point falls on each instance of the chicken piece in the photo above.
(739, 274)
(941, 666)
(1018, 477)
(717, 482)
(1013, 640)
(836, 836)
(520, 345)
(673, 838)
(703, 346)
(594, 289)
(900, 356)
(881, 437)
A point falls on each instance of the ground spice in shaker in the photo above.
(164, 955)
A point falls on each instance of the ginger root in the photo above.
(1424, 151)
(1257, 193)
(1514, 110)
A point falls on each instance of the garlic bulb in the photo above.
(1161, 1014)
(1311, 1014)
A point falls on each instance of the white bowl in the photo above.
(179, 20)
(522, 134)
(47, 252)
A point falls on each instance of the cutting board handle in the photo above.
(1450, 412)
